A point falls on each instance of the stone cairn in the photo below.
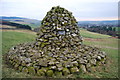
(58, 49)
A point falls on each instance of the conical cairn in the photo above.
(58, 49)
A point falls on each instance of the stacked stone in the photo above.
(59, 29)
(58, 49)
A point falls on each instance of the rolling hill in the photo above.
(13, 25)
(31, 22)
(108, 22)
(36, 23)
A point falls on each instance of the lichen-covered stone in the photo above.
(83, 68)
(40, 72)
(16, 66)
(27, 60)
(58, 73)
(50, 73)
(93, 61)
(57, 50)
(53, 67)
(25, 70)
(31, 70)
(75, 63)
(74, 70)
(20, 68)
(59, 67)
(44, 69)
(65, 71)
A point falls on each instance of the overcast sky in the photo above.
(81, 9)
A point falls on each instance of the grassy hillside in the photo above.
(88, 34)
(33, 23)
(108, 22)
(105, 42)
(117, 28)
(11, 38)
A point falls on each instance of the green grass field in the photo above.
(105, 42)
(11, 38)
(88, 34)
(117, 28)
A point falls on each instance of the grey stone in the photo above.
(58, 48)
(83, 68)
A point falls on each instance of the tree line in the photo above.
(15, 25)
(109, 30)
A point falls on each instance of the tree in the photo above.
(109, 28)
(114, 29)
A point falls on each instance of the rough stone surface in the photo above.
(58, 49)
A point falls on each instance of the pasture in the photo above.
(104, 42)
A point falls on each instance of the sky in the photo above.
(83, 10)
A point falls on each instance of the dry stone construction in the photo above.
(58, 49)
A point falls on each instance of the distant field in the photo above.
(89, 34)
(27, 23)
(105, 42)
(31, 22)
(117, 28)
(33, 26)
(6, 26)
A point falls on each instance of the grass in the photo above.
(33, 26)
(107, 44)
(11, 38)
(88, 34)
(117, 28)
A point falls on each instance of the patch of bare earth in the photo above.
(92, 39)
(6, 26)
(21, 30)
(16, 30)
